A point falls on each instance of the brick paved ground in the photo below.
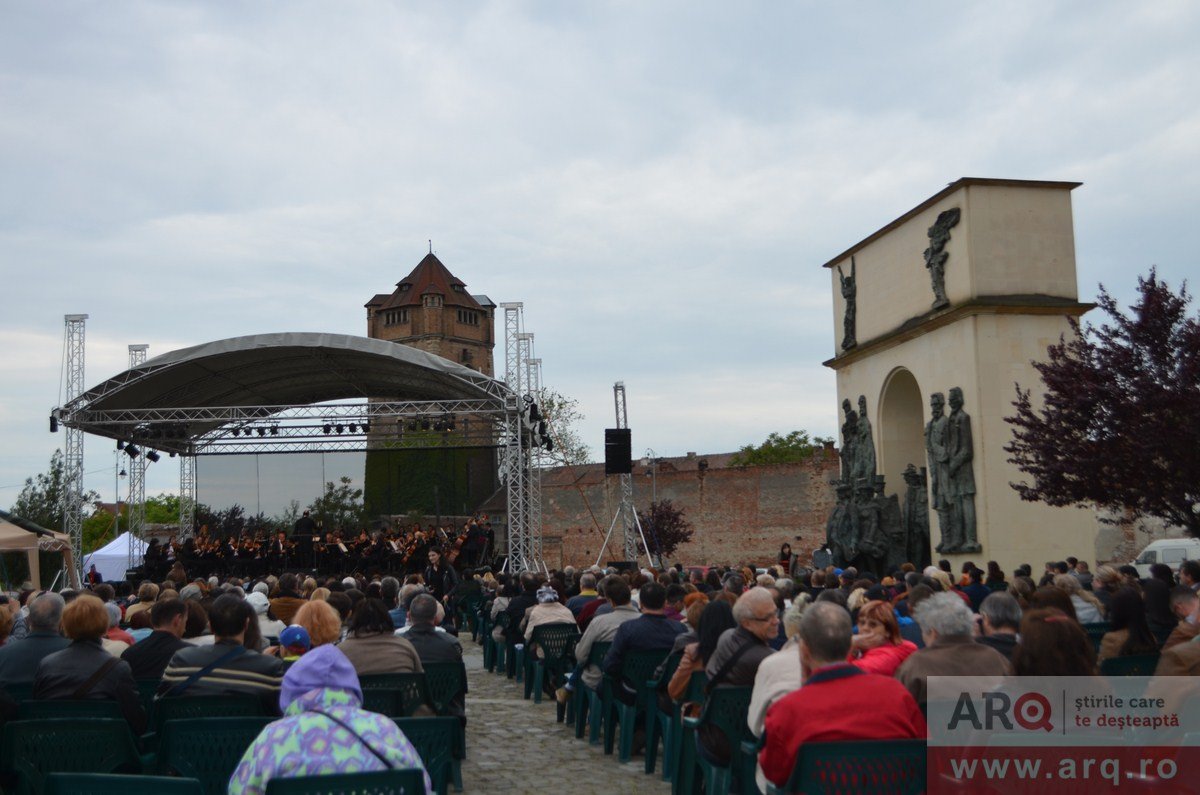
(514, 745)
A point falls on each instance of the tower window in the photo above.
(394, 317)
(468, 317)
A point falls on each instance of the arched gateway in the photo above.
(936, 315)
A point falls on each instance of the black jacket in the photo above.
(60, 675)
(148, 658)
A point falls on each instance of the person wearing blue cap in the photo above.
(324, 730)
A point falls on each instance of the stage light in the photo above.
(412, 425)
(152, 456)
(353, 427)
(262, 431)
(366, 427)
(274, 430)
(120, 444)
(326, 429)
(425, 424)
(132, 451)
(53, 424)
(172, 454)
(339, 428)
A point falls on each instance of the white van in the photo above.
(1171, 551)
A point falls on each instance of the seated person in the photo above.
(324, 730)
(838, 701)
(84, 671)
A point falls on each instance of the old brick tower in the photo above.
(432, 311)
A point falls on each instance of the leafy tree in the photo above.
(665, 528)
(1117, 427)
(563, 416)
(98, 529)
(340, 506)
(790, 449)
(287, 519)
(162, 509)
(40, 501)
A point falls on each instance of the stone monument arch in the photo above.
(951, 303)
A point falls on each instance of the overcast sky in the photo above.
(659, 183)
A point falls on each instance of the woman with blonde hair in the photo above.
(321, 620)
(1088, 609)
(319, 595)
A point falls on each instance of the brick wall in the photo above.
(739, 514)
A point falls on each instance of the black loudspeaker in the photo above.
(618, 451)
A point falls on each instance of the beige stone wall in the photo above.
(1009, 241)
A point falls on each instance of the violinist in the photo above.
(277, 556)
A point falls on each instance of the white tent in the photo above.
(113, 558)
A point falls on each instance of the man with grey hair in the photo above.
(433, 646)
(739, 652)
(1001, 620)
(19, 658)
(587, 593)
(838, 700)
(948, 629)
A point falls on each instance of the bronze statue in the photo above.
(936, 450)
(936, 256)
(864, 447)
(916, 517)
(960, 486)
(849, 451)
(849, 293)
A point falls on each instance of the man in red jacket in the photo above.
(838, 701)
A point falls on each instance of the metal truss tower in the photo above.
(533, 370)
(516, 449)
(187, 495)
(629, 521)
(135, 524)
(72, 494)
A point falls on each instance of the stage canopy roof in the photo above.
(187, 394)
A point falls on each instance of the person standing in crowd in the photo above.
(440, 576)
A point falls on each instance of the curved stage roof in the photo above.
(289, 369)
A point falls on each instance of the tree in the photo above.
(340, 506)
(287, 519)
(790, 449)
(1118, 427)
(162, 509)
(563, 416)
(665, 528)
(40, 501)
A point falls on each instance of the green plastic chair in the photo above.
(488, 643)
(207, 749)
(395, 695)
(433, 738)
(110, 784)
(672, 724)
(725, 709)
(446, 680)
(893, 766)
(557, 644)
(20, 693)
(654, 724)
(40, 710)
(581, 698)
(33, 749)
(636, 667)
(191, 707)
(1095, 631)
(406, 781)
(1132, 665)
(147, 691)
(505, 657)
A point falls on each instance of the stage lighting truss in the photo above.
(322, 428)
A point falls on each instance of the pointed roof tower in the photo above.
(430, 276)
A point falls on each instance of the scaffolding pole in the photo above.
(135, 523)
(72, 494)
(187, 495)
(629, 521)
(516, 452)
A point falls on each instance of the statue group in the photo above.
(868, 530)
(950, 450)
